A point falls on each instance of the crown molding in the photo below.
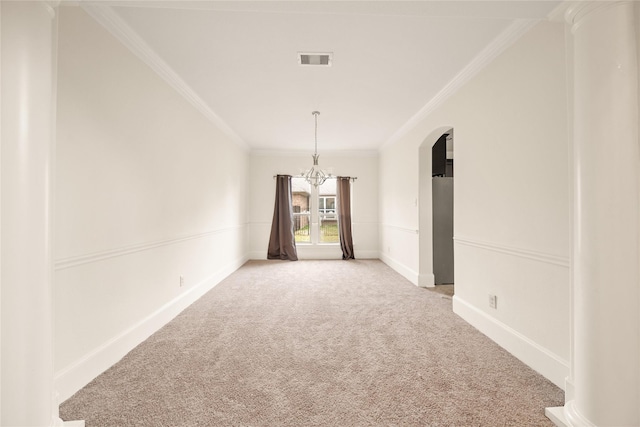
(113, 23)
(51, 6)
(558, 13)
(577, 10)
(307, 153)
(512, 33)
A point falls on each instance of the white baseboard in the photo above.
(366, 254)
(258, 255)
(556, 415)
(308, 252)
(426, 281)
(400, 268)
(548, 364)
(318, 254)
(75, 376)
(567, 416)
(569, 390)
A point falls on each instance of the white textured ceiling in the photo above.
(390, 59)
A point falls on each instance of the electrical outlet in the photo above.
(181, 281)
(493, 302)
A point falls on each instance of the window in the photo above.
(327, 204)
(301, 194)
(327, 214)
(315, 215)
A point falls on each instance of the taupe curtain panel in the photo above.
(282, 243)
(344, 217)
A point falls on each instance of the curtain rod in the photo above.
(351, 178)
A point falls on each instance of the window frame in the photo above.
(316, 216)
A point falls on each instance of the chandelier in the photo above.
(315, 176)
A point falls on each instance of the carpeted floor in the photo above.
(316, 343)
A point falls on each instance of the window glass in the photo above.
(330, 204)
(315, 214)
(327, 215)
(301, 198)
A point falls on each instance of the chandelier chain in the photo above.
(316, 114)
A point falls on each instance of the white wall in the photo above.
(398, 209)
(147, 190)
(512, 207)
(364, 208)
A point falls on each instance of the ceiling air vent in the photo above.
(315, 59)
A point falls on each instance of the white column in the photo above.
(606, 304)
(26, 159)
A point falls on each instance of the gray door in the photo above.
(442, 229)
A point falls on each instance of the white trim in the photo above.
(400, 268)
(74, 261)
(558, 12)
(51, 6)
(318, 254)
(569, 389)
(556, 415)
(577, 10)
(550, 365)
(75, 376)
(361, 254)
(574, 417)
(404, 229)
(512, 33)
(258, 255)
(113, 23)
(427, 280)
(544, 257)
(323, 153)
(567, 416)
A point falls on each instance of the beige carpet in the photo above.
(316, 343)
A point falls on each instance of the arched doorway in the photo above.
(428, 259)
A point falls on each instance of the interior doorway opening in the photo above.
(436, 166)
(442, 187)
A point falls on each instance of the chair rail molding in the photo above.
(74, 261)
(559, 260)
(400, 228)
